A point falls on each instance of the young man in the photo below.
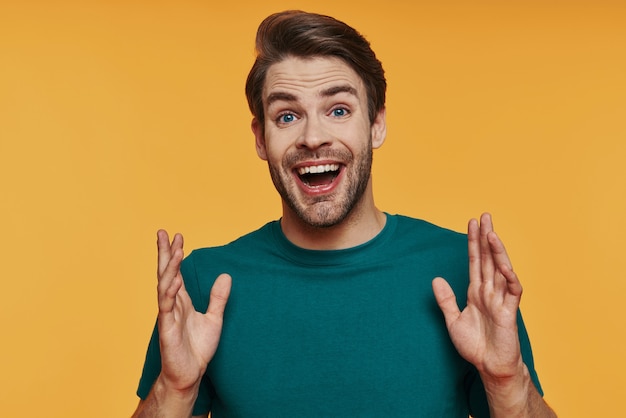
(333, 310)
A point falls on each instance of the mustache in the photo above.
(299, 156)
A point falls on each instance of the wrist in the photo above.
(508, 395)
(177, 401)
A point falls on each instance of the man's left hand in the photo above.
(485, 332)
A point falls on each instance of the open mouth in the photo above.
(318, 175)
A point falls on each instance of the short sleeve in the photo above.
(151, 366)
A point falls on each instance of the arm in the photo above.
(152, 408)
(187, 339)
(485, 332)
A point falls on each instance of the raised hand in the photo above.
(485, 332)
(188, 339)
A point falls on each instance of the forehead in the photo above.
(311, 75)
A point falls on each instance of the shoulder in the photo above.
(203, 265)
(433, 249)
(247, 244)
(424, 233)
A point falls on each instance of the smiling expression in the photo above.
(318, 139)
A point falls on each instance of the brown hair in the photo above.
(300, 34)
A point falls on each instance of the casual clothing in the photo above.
(342, 333)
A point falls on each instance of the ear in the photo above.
(379, 129)
(257, 130)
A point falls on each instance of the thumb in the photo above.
(446, 300)
(219, 296)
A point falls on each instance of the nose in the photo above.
(313, 134)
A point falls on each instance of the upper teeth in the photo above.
(318, 169)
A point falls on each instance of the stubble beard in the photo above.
(330, 210)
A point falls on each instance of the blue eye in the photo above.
(339, 112)
(286, 118)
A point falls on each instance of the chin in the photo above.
(323, 216)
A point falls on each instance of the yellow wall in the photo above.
(117, 118)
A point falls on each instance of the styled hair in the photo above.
(294, 33)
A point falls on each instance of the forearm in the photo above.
(516, 397)
(163, 401)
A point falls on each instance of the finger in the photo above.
(497, 257)
(446, 300)
(503, 264)
(164, 251)
(170, 282)
(486, 257)
(473, 249)
(498, 251)
(219, 296)
(487, 268)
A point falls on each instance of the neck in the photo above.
(362, 224)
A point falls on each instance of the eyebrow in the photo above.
(331, 91)
(345, 88)
(280, 96)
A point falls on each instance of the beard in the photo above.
(332, 209)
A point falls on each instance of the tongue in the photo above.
(319, 179)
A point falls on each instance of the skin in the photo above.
(485, 332)
(188, 339)
(316, 114)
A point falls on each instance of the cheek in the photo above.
(276, 146)
(358, 139)
(275, 154)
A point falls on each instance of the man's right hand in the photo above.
(188, 339)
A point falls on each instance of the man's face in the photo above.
(318, 138)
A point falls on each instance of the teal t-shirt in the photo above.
(341, 333)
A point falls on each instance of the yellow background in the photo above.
(117, 118)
